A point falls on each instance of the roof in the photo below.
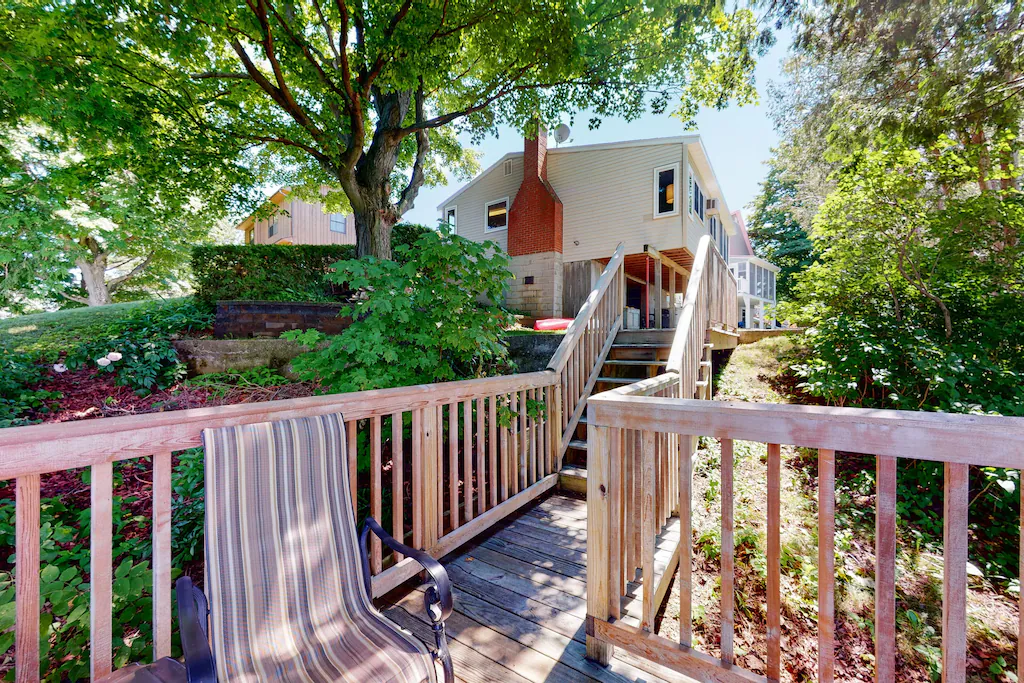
(277, 198)
(741, 226)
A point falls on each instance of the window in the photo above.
(272, 226)
(508, 167)
(496, 215)
(771, 280)
(743, 269)
(665, 191)
(698, 200)
(339, 223)
(451, 217)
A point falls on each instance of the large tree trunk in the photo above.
(373, 228)
(94, 278)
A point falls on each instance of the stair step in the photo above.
(619, 361)
(706, 363)
(578, 444)
(573, 479)
(619, 380)
(641, 346)
(702, 383)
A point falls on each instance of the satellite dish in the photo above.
(561, 133)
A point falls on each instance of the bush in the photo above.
(137, 348)
(267, 272)
(419, 317)
(17, 373)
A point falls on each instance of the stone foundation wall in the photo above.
(541, 298)
(242, 319)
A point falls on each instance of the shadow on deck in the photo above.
(521, 600)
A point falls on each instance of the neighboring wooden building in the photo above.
(299, 222)
(561, 212)
(755, 281)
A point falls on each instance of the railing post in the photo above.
(598, 538)
(430, 477)
(555, 420)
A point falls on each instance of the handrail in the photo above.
(474, 457)
(578, 326)
(588, 339)
(617, 420)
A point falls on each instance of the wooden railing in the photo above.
(579, 358)
(455, 458)
(958, 441)
(710, 302)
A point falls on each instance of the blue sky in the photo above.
(738, 139)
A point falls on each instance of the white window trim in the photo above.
(507, 167)
(344, 223)
(488, 205)
(444, 218)
(675, 182)
(703, 198)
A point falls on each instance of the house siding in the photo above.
(471, 204)
(608, 197)
(301, 222)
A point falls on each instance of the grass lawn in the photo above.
(50, 333)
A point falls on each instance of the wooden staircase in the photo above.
(634, 355)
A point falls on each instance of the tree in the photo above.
(774, 232)
(120, 222)
(359, 94)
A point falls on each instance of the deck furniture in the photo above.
(288, 594)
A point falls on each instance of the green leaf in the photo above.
(49, 574)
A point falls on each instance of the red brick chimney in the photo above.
(535, 220)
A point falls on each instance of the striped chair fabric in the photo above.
(284, 576)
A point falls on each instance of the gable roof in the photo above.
(276, 198)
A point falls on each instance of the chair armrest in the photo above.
(439, 599)
(192, 625)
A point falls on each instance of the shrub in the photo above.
(419, 318)
(267, 272)
(137, 348)
(18, 372)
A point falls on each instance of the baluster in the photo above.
(453, 465)
(481, 459)
(687, 444)
(418, 539)
(376, 561)
(524, 444)
(774, 570)
(101, 543)
(397, 489)
(351, 432)
(467, 459)
(954, 573)
(492, 446)
(598, 527)
(506, 447)
(885, 569)
(614, 503)
(161, 555)
(648, 527)
(826, 564)
(439, 469)
(26, 624)
(728, 551)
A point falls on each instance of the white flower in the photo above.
(60, 367)
(103, 362)
(113, 355)
(439, 323)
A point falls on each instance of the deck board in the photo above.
(520, 603)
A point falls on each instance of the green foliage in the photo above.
(775, 234)
(224, 382)
(267, 272)
(188, 514)
(18, 372)
(137, 348)
(419, 318)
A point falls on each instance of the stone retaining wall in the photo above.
(242, 319)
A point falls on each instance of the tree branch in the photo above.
(408, 195)
(116, 283)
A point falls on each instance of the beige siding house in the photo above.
(561, 212)
(299, 222)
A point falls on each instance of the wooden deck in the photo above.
(520, 602)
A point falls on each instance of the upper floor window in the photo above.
(698, 198)
(508, 167)
(665, 201)
(272, 226)
(339, 223)
(496, 215)
(451, 216)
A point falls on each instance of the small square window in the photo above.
(272, 227)
(497, 215)
(339, 223)
(508, 167)
(451, 216)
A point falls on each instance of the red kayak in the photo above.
(552, 324)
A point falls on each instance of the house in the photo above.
(755, 280)
(298, 222)
(560, 213)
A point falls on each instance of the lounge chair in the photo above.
(288, 592)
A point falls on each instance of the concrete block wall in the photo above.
(542, 298)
